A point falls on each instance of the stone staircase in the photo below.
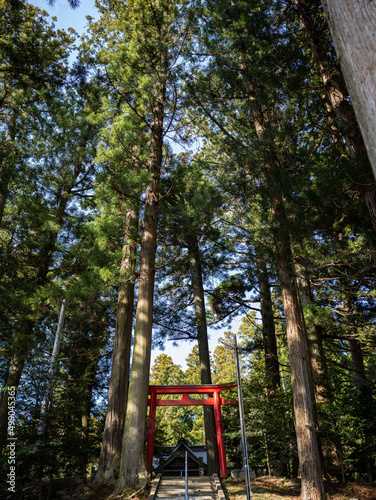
(199, 488)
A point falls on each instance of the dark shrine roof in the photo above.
(177, 457)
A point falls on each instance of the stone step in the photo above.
(173, 488)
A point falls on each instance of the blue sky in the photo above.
(67, 17)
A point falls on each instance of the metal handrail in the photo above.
(186, 475)
(241, 414)
(242, 422)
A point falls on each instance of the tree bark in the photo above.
(352, 24)
(306, 428)
(312, 486)
(4, 172)
(204, 355)
(13, 381)
(318, 361)
(338, 97)
(273, 378)
(109, 461)
(133, 468)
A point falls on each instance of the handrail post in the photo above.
(186, 475)
(242, 422)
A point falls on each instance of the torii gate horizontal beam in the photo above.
(191, 389)
(214, 399)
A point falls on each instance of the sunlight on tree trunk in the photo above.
(352, 24)
(133, 468)
(109, 462)
(306, 427)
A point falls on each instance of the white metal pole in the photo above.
(51, 372)
(186, 475)
(242, 422)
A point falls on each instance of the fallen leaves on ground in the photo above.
(277, 488)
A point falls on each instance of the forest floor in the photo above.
(277, 488)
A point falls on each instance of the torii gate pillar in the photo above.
(213, 399)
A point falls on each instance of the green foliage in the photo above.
(269, 423)
(74, 423)
(192, 376)
(165, 372)
(224, 367)
(172, 422)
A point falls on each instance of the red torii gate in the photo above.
(214, 399)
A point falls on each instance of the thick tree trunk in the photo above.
(109, 461)
(203, 349)
(5, 174)
(14, 378)
(352, 24)
(273, 378)
(312, 486)
(338, 96)
(306, 428)
(319, 366)
(318, 361)
(133, 467)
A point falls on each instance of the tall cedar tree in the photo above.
(142, 42)
(33, 65)
(118, 389)
(188, 216)
(238, 28)
(118, 192)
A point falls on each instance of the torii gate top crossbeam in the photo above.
(192, 389)
(186, 390)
